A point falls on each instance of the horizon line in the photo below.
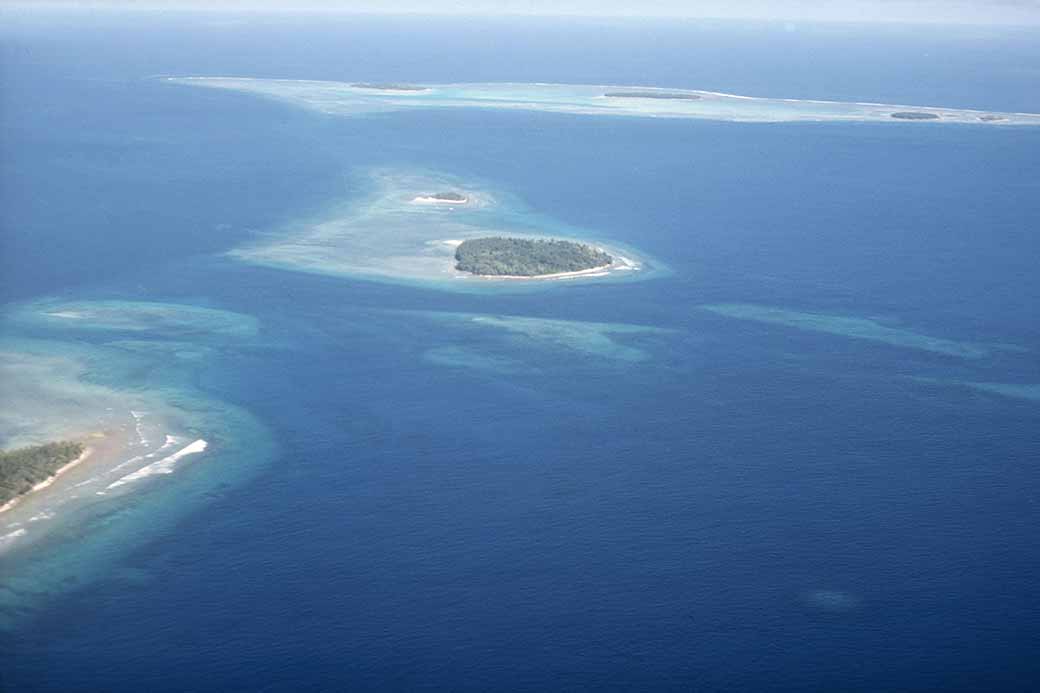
(1030, 21)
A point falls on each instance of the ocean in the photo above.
(800, 457)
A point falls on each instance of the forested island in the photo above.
(386, 86)
(442, 198)
(915, 115)
(523, 257)
(653, 95)
(23, 468)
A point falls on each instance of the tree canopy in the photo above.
(527, 257)
(23, 468)
(681, 96)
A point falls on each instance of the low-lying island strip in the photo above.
(529, 258)
(33, 468)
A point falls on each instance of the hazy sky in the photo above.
(932, 11)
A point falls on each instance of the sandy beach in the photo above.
(87, 452)
(599, 271)
(620, 264)
(29, 516)
(113, 462)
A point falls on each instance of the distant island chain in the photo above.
(357, 98)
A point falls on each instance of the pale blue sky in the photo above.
(931, 11)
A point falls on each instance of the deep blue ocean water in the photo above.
(751, 507)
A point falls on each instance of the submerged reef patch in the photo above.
(597, 339)
(154, 317)
(457, 356)
(50, 395)
(400, 231)
(1030, 391)
(1024, 391)
(134, 407)
(856, 328)
(831, 601)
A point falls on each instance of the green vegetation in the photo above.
(449, 196)
(915, 115)
(526, 257)
(22, 469)
(385, 86)
(652, 95)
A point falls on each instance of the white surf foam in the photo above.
(139, 425)
(11, 536)
(164, 466)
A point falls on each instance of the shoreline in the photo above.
(599, 271)
(120, 460)
(342, 98)
(620, 264)
(87, 452)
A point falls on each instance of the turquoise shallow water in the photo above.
(109, 365)
(802, 458)
(352, 99)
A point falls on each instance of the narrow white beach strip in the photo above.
(61, 470)
(48, 481)
(601, 271)
(164, 466)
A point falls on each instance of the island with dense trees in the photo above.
(683, 96)
(442, 198)
(24, 468)
(915, 115)
(386, 86)
(525, 257)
